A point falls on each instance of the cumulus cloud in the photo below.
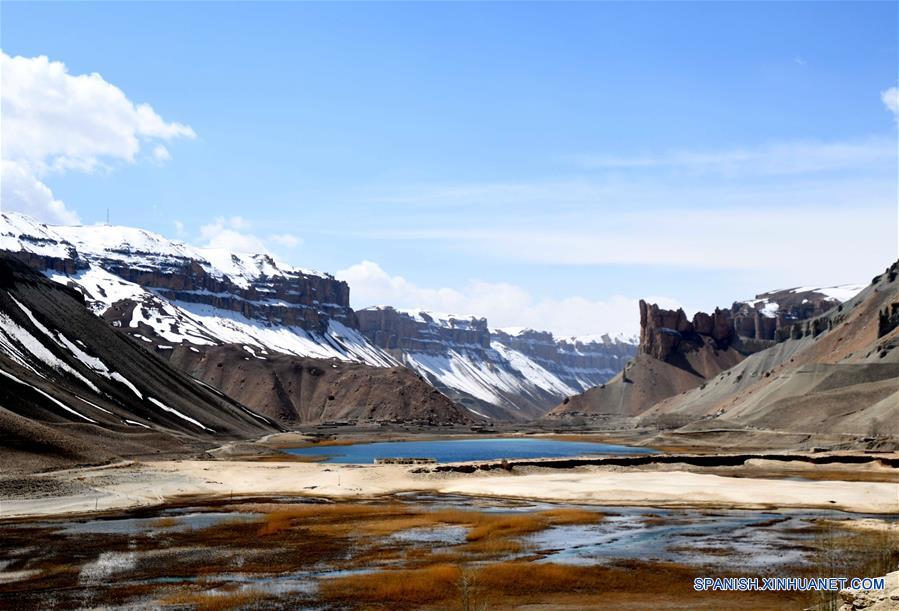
(22, 192)
(54, 121)
(161, 154)
(229, 234)
(234, 233)
(287, 240)
(503, 304)
(890, 99)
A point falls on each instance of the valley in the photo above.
(195, 419)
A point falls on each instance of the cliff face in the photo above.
(578, 362)
(424, 332)
(664, 332)
(677, 354)
(176, 294)
(281, 338)
(253, 285)
(509, 375)
(835, 374)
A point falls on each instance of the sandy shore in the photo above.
(150, 483)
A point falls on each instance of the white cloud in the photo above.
(20, 191)
(287, 240)
(233, 233)
(179, 228)
(227, 233)
(890, 98)
(503, 304)
(161, 154)
(54, 121)
(845, 244)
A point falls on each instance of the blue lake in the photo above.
(462, 450)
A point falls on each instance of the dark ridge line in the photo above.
(727, 460)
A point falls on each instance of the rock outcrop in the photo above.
(677, 354)
(836, 375)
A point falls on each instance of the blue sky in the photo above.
(540, 164)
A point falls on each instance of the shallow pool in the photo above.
(463, 450)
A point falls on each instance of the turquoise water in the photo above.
(463, 450)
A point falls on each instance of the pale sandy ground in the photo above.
(139, 484)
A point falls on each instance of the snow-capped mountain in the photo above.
(73, 390)
(174, 298)
(169, 293)
(500, 374)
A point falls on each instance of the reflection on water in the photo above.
(165, 521)
(728, 539)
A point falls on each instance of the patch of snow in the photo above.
(137, 423)
(123, 380)
(172, 410)
(841, 293)
(83, 400)
(533, 372)
(101, 289)
(30, 343)
(21, 233)
(54, 400)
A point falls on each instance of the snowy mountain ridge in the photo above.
(168, 294)
(492, 372)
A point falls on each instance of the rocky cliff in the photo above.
(254, 285)
(251, 314)
(510, 375)
(677, 354)
(835, 375)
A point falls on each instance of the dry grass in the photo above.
(567, 516)
(215, 601)
(344, 519)
(492, 548)
(334, 519)
(505, 584)
(428, 585)
(496, 527)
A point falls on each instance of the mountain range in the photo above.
(174, 348)
(261, 330)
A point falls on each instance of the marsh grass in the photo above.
(215, 601)
(378, 520)
(404, 587)
(467, 587)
